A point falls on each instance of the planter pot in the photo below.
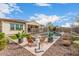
(24, 39)
(30, 42)
(20, 40)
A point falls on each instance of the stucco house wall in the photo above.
(6, 27)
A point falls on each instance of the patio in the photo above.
(45, 46)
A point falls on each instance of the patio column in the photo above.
(26, 28)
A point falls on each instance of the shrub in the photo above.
(75, 38)
(13, 37)
(76, 44)
(24, 34)
(19, 35)
(2, 35)
(76, 41)
(29, 36)
(3, 41)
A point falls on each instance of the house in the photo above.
(12, 26)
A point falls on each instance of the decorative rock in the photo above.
(66, 42)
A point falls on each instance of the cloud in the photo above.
(2, 15)
(76, 24)
(42, 4)
(66, 25)
(44, 19)
(64, 21)
(6, 8)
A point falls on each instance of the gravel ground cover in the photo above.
(56, 49)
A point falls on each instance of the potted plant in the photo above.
(29, 39)
(3, 41)
(19, 37)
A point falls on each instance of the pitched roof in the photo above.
(12, 20)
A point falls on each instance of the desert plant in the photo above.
(75, 27)
(19, 37)
(76, 45)
(76, 41)
(24, 34)
(75, 38)
(50, 33)
(14, 37)
(50, 37)
(2, 35)
(3, 41)
(29, 36)
(29, 39)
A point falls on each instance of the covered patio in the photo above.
(32, 27)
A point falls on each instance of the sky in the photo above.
(60, 14)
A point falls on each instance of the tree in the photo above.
(50, 26)
(75, 26)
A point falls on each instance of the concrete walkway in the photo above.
(45, 46)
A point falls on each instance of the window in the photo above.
(21, 27)
(12, 27)
(16, 26)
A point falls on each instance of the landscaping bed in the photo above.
(15, 50)
(57, 49)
